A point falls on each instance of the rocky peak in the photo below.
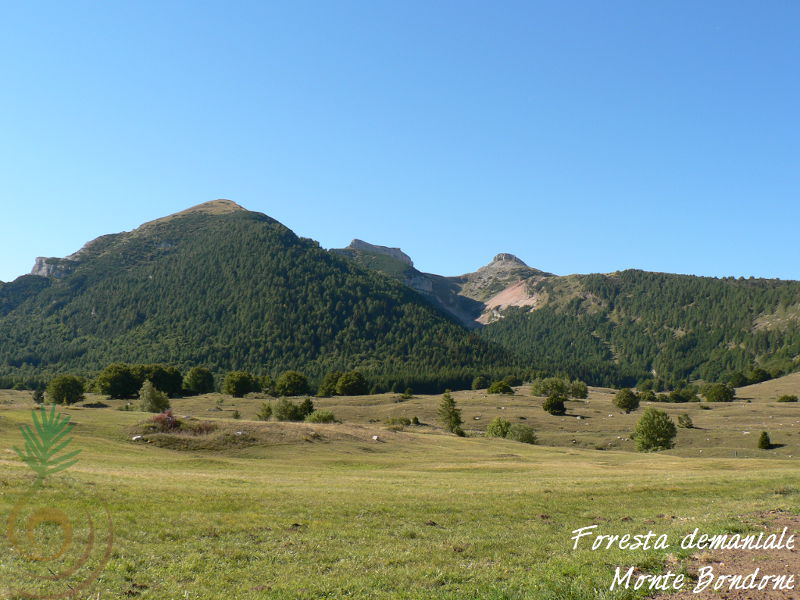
(504, 257)
(393, 252)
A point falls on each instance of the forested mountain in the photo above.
(232, 289)
(220, 286)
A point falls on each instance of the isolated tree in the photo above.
(654, 431)
(500, 387)
(198, 380)
(626, 400)
(38, 396)
(578, 389)
(65, 389)
(292, 383)
(151, 399)
(328, 386)
(239, 383)
(519, 432)
(352, 383)
(549, 386)
(554, 404)
(450, 415)
(498, 428)
(306, 407)
(685, 421)
(480, 382)
(764, 443)
(264, 413)
(118, 380)
(719, 392)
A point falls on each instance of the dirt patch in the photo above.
(745, 562)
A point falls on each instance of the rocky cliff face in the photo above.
(395, 253)
(52, 267)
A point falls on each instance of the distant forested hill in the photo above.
(231, 289)
(633, 325)
(220, 286)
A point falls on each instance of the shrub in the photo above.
(239, 383)
(512, 380)
(480, 382)
(118, 380)
(648, 396)
(498, 428)
(784, 398)
(450, 414)
(578, 389)
(198, 380)
(554, 404)
(408, 394)
(764, 443)
(65, 389)
(500, 387)
(328, 386)
(398, 421)
(654, 431)
(292, 383)
(264, 413)
(321, 416)
(415, 421)
(268, 386)
(286, 410)
(626, 400)
(685, 421)
(165, 421)
(38, 396)
(152, 399)
(719, 392)
(520, 432)
(306, 407)
(352, 383)
(237, 414)
(549, 386)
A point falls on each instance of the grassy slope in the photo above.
(210, 525)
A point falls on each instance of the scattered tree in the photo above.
(764, 443)
(118, 380)
(151, 399)
(321, 416)
(685, 421)
(450, 415)
(480, 382)
(578, 389)
(784, 398)
(498, 428)
(65, 389)
(239, 383)
(264, 413)
(719, 392)
(519, 432)
(38, 396)
(198, 380)
(292, 383)
(328, 386)
(654, 431)
(554, 404)
(500, 387)
(626, 400)
(352, 383)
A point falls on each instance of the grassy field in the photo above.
(269, 510)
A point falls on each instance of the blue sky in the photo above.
(580, 136)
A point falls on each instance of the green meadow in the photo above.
(285, 510)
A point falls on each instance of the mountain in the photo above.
(233, 289)
(618, 328)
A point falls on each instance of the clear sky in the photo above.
(582, 136)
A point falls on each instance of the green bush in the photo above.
(198, 380)
(654, 431)
(578, 389)
(626, 400)
(787, 398)
(286, 410)
(764, 443)
(549, 386)
(500, 387)
(498, 428)
(239, 383)
(151, 399)
(328, 386)
(685, 421)
(265, 412)
(480, 382)
(292, 383)
(450, 415)
(352, 383)
(520, 432)
(554, 404)
(321, 416)
(719, 392)
(65, 389)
